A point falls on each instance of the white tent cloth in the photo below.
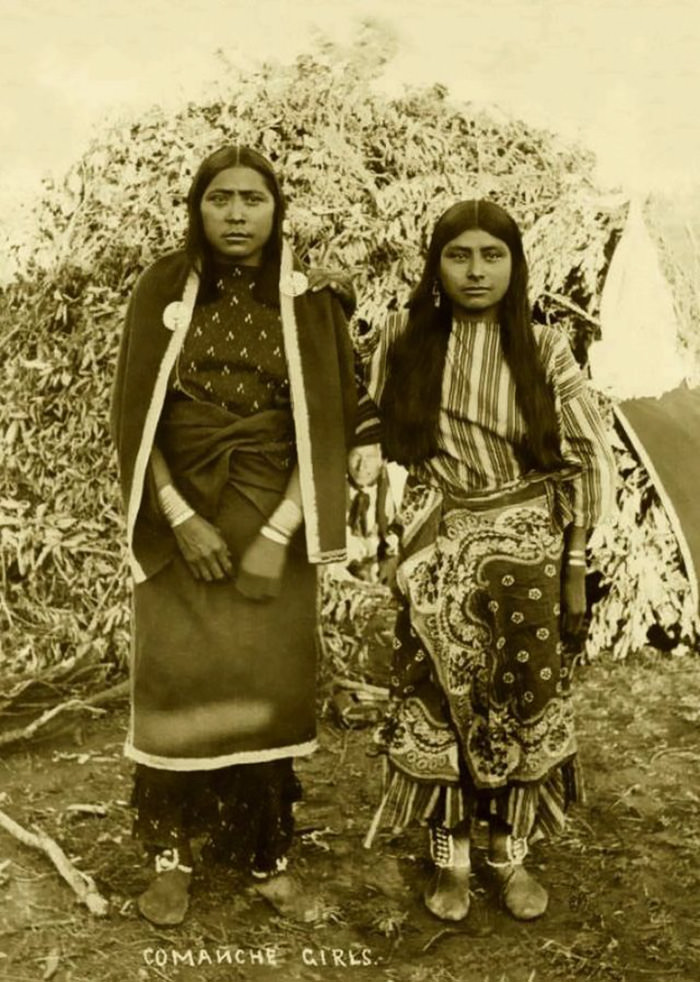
(638, 354)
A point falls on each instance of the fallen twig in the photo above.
(35, 926)
(89, 704)
(674, 752)
(436, 937)
(560, 949)
(658, 971)
(378, 691)
(108, 695)
(82, 884)
(625, 794)
(98, 810)
(27, 732)
(314, 836)
(52, 962)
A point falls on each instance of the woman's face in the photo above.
(475, 272)
(238, 212)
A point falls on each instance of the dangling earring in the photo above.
(437, 296)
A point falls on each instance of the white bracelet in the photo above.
(286, 518)
(274, 535)
(174, 507)
(182, 517)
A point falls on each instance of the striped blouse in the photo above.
(480, 423)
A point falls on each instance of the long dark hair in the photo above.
(200, 252)
(410, 401)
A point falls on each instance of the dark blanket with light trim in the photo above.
(328, 369)
(218, 679)
(665, 433)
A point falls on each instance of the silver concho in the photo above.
(175, 315)
(294, 284)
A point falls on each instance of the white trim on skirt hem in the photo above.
(213, 763)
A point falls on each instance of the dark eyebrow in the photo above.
(247, 193)
(465, 250)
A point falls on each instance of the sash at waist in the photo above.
(207, 447)
(552, 486)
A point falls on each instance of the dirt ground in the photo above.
(623, 880)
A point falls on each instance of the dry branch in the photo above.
(98, 811)
(118, 691)
(81, 884)
(363, 688)
(89, 704)
(573, 307)
(27, 732)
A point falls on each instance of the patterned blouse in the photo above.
(480, 423)
(233, 354)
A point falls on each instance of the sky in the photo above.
(622, 76)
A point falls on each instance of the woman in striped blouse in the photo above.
(508, 469)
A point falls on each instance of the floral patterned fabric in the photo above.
(480, 675)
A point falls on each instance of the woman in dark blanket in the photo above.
(234, 407)
(508, 468)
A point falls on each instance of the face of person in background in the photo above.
(364, 465)
(238, 211)
(475, 270)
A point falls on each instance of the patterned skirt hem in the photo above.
(532, 810)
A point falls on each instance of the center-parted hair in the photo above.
(197, 246)
(410, 400)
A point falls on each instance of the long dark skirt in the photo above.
(218, 679)
(223, 699)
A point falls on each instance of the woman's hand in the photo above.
(203, 549)
(573, 599)
(260, 573)
(334, 279)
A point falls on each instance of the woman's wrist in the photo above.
(284, 521)
(173, 506)
(576, 558)
(273, 535)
